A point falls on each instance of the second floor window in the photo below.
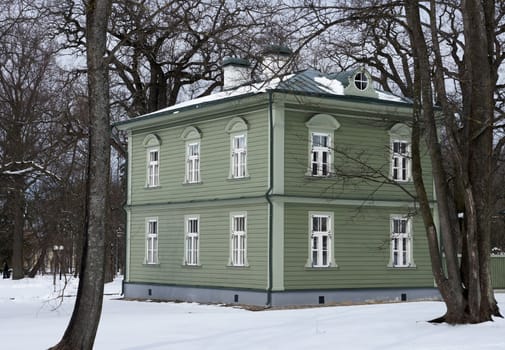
(400, 167)
(320, 154)
(152, 241)
(153, 168)
(239, 156)
(192, 240)
(193, 162)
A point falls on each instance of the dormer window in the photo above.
(361, 81)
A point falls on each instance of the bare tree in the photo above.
(414, 46)
(29, 83)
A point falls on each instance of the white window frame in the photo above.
(238, 127)
(152, 144)
(318, 237)
(238, 240)
(191, 240)
(400, 161)
(193, 162)
(153, 168)
(238, 164)
(152, 239)
(401, 242)
(321, 124)
(318, 152)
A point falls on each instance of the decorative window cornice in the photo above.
(323, 121)
(191, 133)
(151, 140)
(237, 124)
(400, 130)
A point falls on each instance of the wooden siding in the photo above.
(214, 247)
(498, 271)
(214, 162)
(363, 139)
(362, 250)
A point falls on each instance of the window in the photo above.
(192, 240)
(400, 153)
(193, 162)
(321, 240)
(239, 156)
(152, 145)
(400, 161)
(237, 128)
(401, 242)
(321, 132)
(192, 136)
(320, 154)
(152, 241)
(153, 168)
(238, 240)
(361, 81)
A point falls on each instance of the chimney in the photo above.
(275, 61)
(236, 72)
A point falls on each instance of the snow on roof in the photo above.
(239, 91)
(307, 81)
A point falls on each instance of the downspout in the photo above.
(267, 197)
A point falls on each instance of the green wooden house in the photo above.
(293, 190)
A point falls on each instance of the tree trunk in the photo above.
(478, 20)
(81, 331)
(466, 286)
(17, 206)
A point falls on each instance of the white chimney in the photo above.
(275, 61)
(236, 72)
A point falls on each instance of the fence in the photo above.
(498, 271)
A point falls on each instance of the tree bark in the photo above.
(18, 231)
(466, 286)
(81, 331)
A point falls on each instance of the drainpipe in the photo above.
(270, 206)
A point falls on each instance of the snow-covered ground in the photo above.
(31, 318)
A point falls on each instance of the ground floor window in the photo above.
(192, 240)
(152, 241)
(321, 240)
(238, 244)
(401, 242)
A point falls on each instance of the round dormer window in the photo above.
(361, 81)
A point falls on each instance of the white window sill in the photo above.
(152, 187)
(320, 268)
(238, 266)
(406, 267)
(319, 177)
(186, 183)
(151, 264)
(188, 266)
(239, 178)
